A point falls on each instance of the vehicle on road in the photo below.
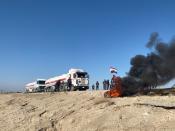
(79, 81)
(36, 86)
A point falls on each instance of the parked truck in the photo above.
(79, 79)
(36, 86)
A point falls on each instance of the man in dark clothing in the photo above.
(57, 86)
(93, 87)
(97, 85)
(112, 81)
(107, 84)
(104, 85)
(69, 84)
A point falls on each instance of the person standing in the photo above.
(93, 87)
(107, 84)
(57, 86)
(69, 84)
(104, 85)
(97, 85)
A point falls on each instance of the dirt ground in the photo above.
(85, 111)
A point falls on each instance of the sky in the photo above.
(45, 38)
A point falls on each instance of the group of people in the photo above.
(106, 85)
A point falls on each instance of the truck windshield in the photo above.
(40, 82)
(82, 75)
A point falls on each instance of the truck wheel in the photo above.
(61, 87)
(82, 89)
(72, 88)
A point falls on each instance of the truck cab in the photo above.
(80, 79)
(36, 86)
(40, 85)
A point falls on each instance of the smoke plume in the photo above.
(157, 68)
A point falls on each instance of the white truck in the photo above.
(37, 86)
(79, 79)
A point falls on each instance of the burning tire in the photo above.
(106, 95)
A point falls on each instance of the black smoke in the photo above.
(156, 68)
(152, 40)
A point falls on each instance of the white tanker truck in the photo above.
(37, 86)
(79, 79)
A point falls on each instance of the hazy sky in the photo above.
(44, 38)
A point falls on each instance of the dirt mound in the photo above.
(85, 111)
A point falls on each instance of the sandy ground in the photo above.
(85, 111)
